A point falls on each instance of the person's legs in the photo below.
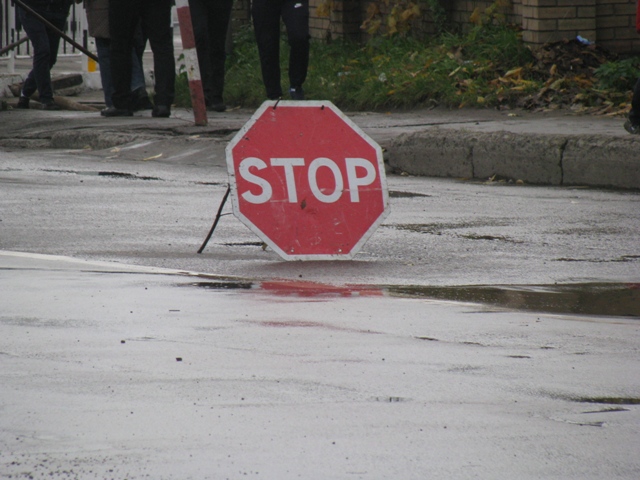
(634, 115)
(104, 61)
(137, 77)
(295, 14)
(200, 13)
(58, 19)
(632, 125)
(123, 18)
(137, 74)
(137, 71)
(218, 19)
(138, 82)
(156, 25)
(266, 23)
(39, 78)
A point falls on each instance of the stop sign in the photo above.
(307, 180)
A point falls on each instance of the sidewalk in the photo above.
(554, 148)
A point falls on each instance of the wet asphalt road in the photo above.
(116, 372)
(154, 203)
(249, 366)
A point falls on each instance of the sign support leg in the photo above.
(191, 61)
(217, 219)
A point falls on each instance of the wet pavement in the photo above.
(488, 329)
(113, 371)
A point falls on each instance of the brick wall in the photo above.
(615, 25)
(241, 14)
(610, 23)
(344, 22)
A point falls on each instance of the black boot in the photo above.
(23, 102)
(161, 111)
(141, 100)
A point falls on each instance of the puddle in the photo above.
(294, 288)
(243, 244)
(104, 174)
(602, 299)
(608, 400)
(622, 259)
(125, 175)
(440, 228)
(598, 299)
(607, 410)
(398, 194)
(500, 238)
(224, 285)
(613, 400)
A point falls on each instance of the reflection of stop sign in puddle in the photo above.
(313, 289)
(307, 180)
(296, 288)
(604, 299)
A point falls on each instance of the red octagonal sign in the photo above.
(307, 180)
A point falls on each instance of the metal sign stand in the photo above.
(217, 219)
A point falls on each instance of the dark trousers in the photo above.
(45, 51)
(155, 18)
(210, 19)
(634, 114)
(266, 22)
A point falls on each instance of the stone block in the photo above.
(585, 156)
(533, 158)
(435, 153)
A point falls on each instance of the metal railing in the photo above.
(11, 32)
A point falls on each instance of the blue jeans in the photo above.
(103, 46)
(45, 51)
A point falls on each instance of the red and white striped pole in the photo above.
(191, 62)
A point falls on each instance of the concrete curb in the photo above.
(598, 161)
(475, 144)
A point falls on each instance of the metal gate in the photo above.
(11, 32)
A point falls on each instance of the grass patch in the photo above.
(489, 66)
